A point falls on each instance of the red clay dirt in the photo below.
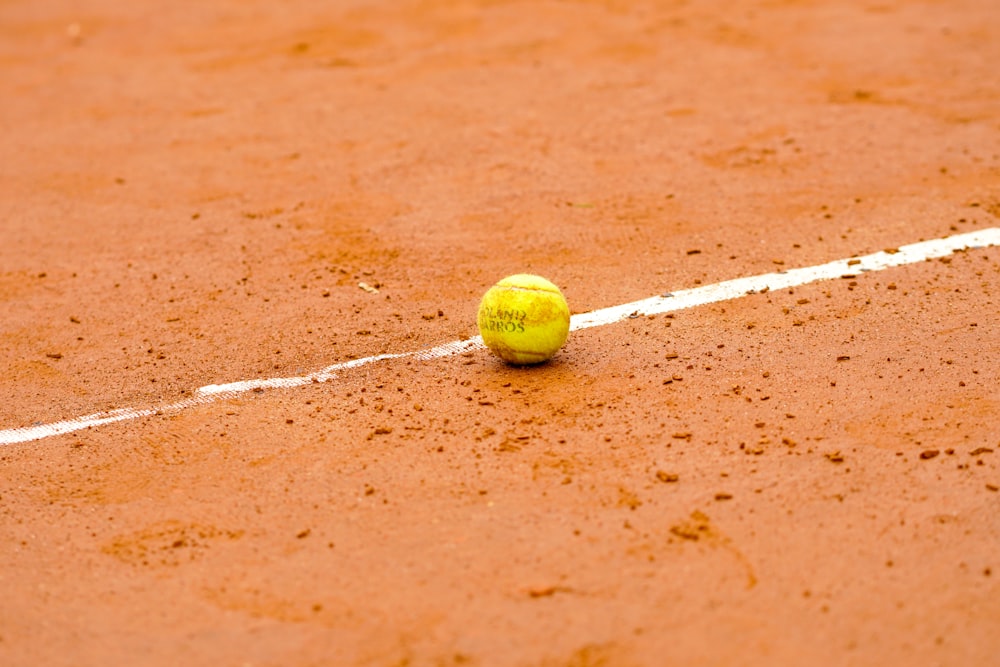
(192, 192)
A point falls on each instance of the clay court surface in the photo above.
(198, 193)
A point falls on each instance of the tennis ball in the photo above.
(524, 319)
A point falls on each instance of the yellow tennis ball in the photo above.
(524, 319)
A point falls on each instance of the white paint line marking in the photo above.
(733, 289)
(729, 289)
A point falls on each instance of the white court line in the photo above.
(729, 289)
